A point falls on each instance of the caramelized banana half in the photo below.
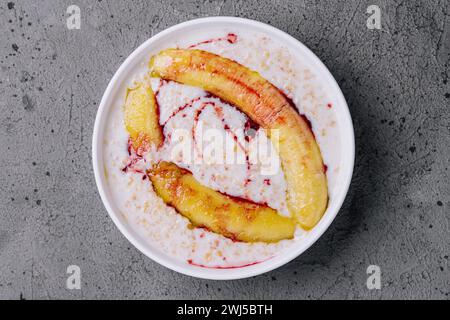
(141, 117)
(307, 192)
(231, 217)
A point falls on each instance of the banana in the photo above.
(307, 191)
(231, 217)
(141, 117)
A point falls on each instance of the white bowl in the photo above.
(346, 136)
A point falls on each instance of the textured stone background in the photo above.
(396, 214)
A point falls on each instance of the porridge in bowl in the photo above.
(222, 150)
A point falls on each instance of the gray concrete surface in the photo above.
(396, 214)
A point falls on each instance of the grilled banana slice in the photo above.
(234, 218)
(307, 191)
(141, 117)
